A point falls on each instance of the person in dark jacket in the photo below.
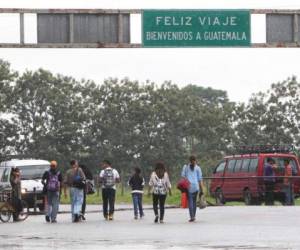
(269, 181)
(89, 176)
(137, 182)
(15, 182)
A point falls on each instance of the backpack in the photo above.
(159, 187)
(53, 184)
(108, 178)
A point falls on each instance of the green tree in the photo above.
(271, 117)
(48, 112)
(208, 124)
(7, 128)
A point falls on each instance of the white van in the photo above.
(31, 179)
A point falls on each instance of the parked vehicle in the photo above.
(31, 176)
(243, 176)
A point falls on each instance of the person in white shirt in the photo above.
(108, 178)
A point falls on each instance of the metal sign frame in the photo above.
(120, 44)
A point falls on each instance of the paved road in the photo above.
(215, 228)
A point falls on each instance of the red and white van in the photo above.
(240, 182)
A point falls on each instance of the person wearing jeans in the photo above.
(53, 205)
(192, 203)
(137, 182)
(160, 185)
(76, 196)
(52, 181)
(74, 179)
(192, 172)
(137, 199)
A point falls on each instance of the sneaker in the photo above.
(110, 217)
(105, 217)
(135, 217)
(156, 219)
(47, 218)
(53, 221)
(161, 221)
(82, 217)
(192, 220)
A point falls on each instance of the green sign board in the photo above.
(195, 28)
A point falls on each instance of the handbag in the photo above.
(90, 188)
(183, 184)
(202, 202)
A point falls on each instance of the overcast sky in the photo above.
(240, 72)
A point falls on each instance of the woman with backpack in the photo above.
(137, 182)
(160, 185)
(52, 180)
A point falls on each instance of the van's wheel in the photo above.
(220, 200)
(247, 197)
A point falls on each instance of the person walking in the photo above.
(89, 177)
(52, 181)
(288, 183)
(137, 182)
(192, 172)
(160, 185)
(15, 182)
(269, 181)
(75, 181)
(108, 178)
